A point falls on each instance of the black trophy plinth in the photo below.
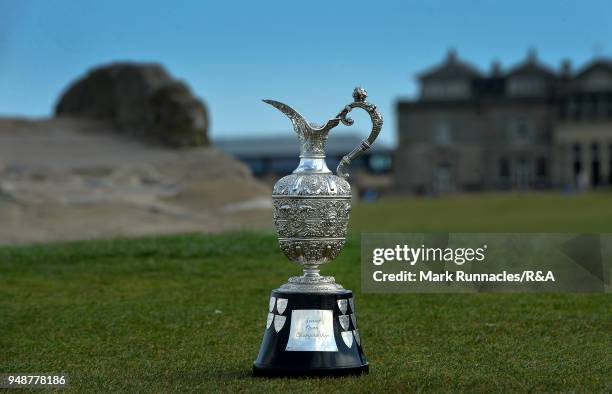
(311, 334)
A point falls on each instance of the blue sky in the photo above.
(308, 54)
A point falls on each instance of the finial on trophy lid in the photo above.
(360, 94)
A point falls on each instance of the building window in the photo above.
(595, 167)
(521, 130)
(526, 86)
(595, 151)
(453, 89)
(283, 165)
(379, 163)
(444, 178)
(589, 105)
(563, 109)
(541, 167)
(610, 164)
(523, 173)
(573, 108)
(443, 134)
(602, 106)
(504, 168)
(258, 166)
(577, 150)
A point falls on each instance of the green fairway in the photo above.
(187, 313)
(503, 212)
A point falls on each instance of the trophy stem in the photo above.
(311, 271)
(312, 282)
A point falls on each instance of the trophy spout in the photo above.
(312, 137)
(300, 125)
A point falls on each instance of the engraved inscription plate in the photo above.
(312, 330)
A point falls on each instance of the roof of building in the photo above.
(287, 145)
(593, 77)
(582, 82)
(598, 63)
(531, 66)
(451, 67)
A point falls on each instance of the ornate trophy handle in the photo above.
(359, 94)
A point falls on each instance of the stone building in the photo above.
(528, 127)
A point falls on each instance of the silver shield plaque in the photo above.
(271, 305)
(342, 304)
(270, 319)
(281, 305)
(279, 322)
(344, 321)
(312, 330)
(347, 337)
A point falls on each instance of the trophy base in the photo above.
(276, 373)
(311, 334)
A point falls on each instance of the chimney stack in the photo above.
(566, 68)
(532, 55)
(451, 56)
(496, 68)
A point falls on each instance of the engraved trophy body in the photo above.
(311, 327)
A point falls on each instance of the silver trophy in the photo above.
(311, 327)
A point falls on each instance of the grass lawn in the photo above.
(187, 312)
(501, 212)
